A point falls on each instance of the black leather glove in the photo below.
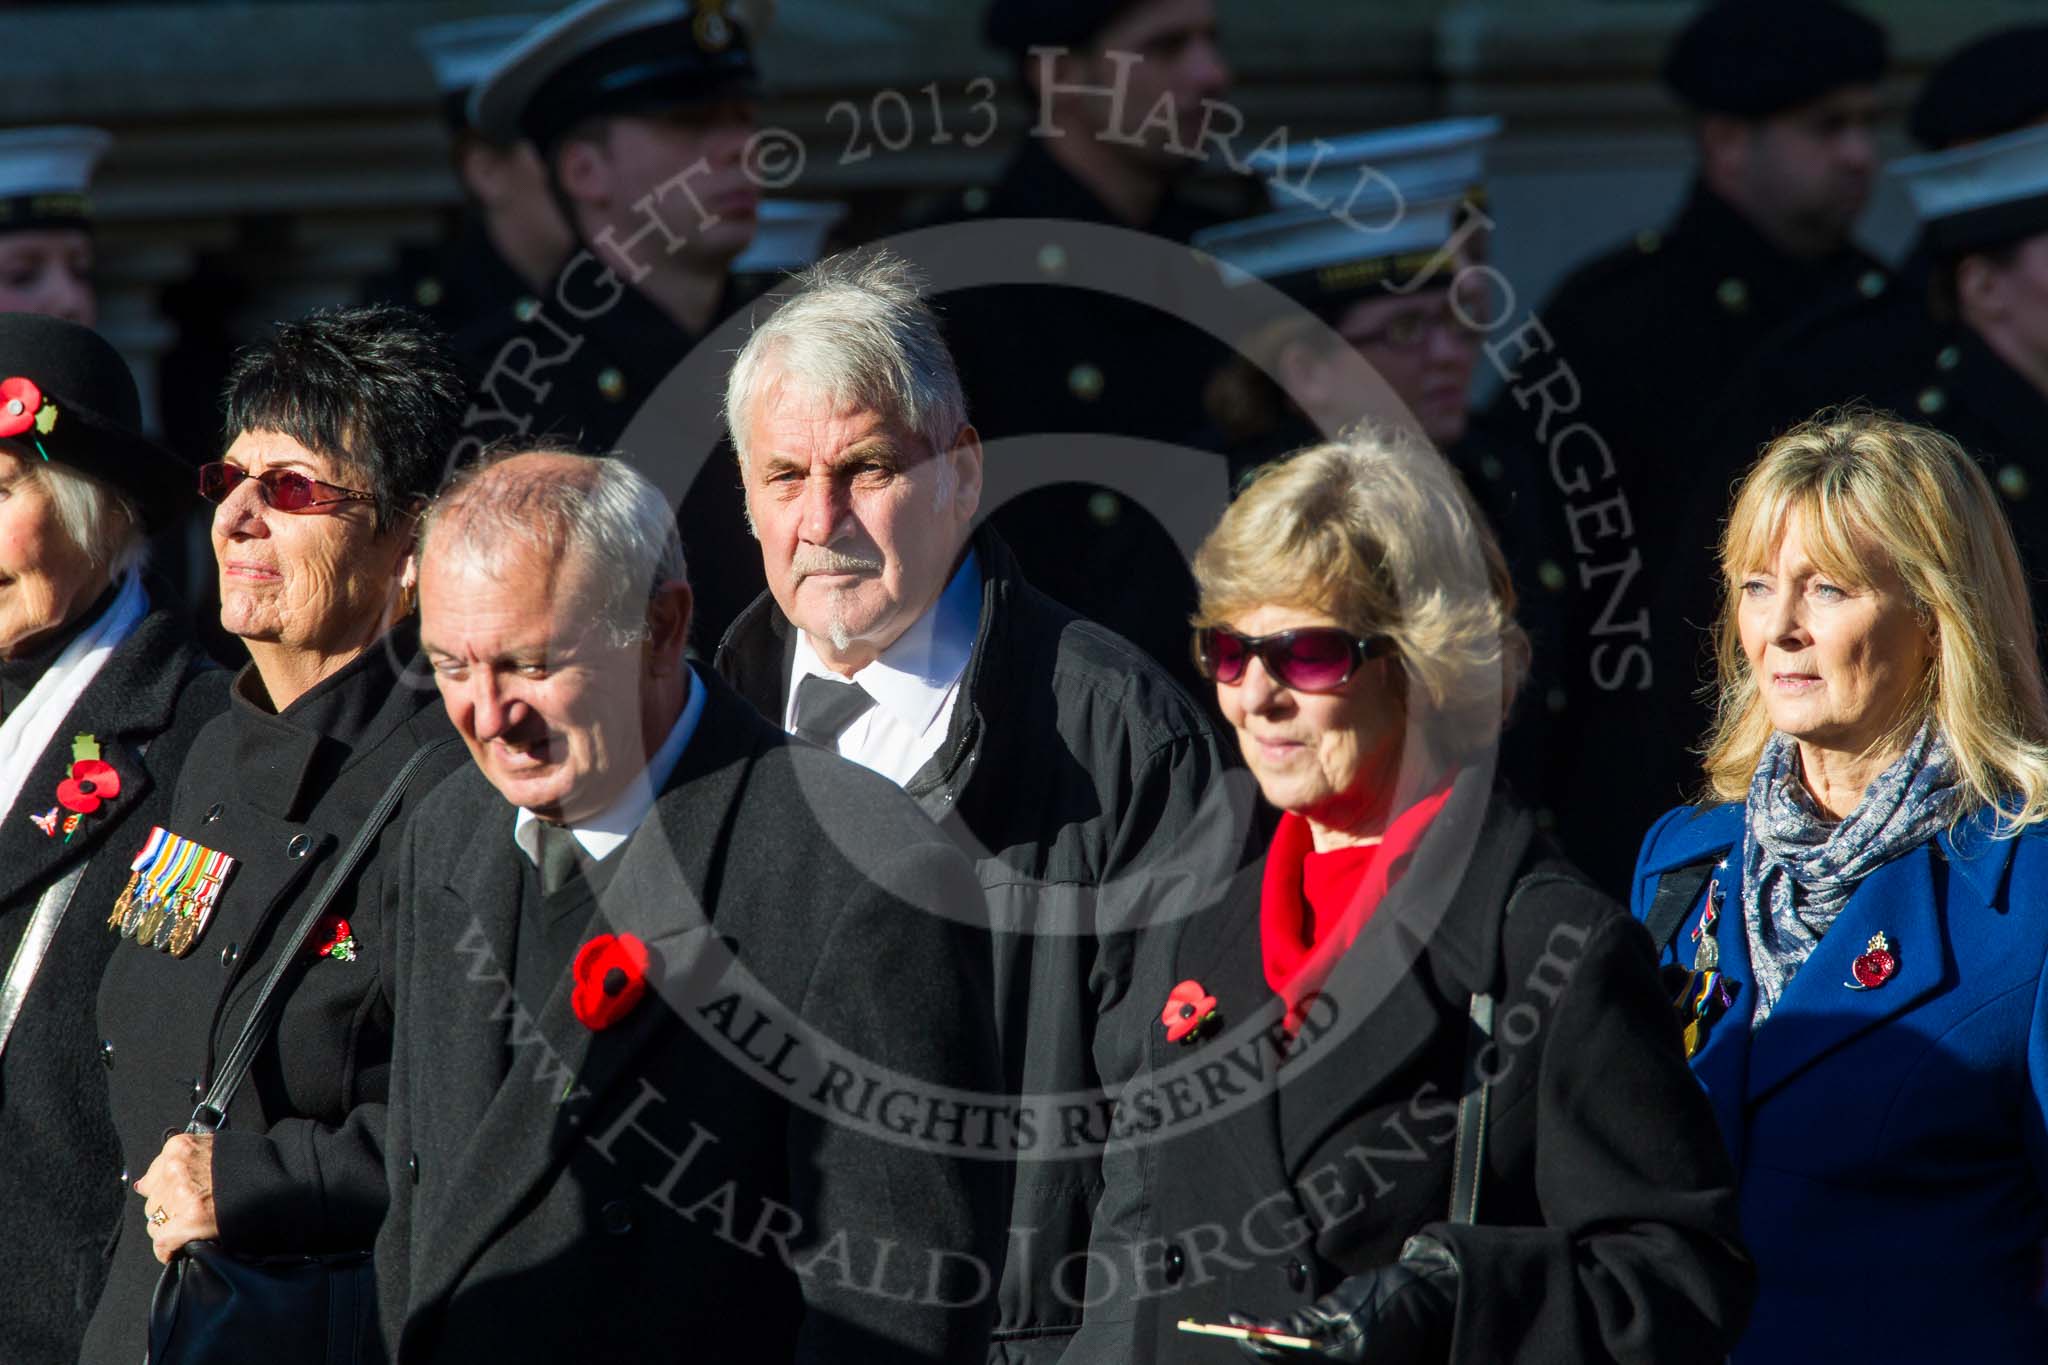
(1399, 1314)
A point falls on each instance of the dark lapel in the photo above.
(665, 892)
(1821, 1011)
(1475, 844)
(128, 703)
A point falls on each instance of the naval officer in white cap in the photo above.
(46, 252)
(642, 111)
(511, 238)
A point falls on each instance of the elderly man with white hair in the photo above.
(676, 997)
(1058, 755)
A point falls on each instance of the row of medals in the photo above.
(169, 924)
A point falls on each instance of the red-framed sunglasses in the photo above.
(282, 490)
(1313, 659)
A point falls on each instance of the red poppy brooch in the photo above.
(611, 975)
(22, 406)
(342, 947)
(1877, 965)
(1188, 1011)
(92, 782)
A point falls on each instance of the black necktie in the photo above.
(825, 708)
(557, 857)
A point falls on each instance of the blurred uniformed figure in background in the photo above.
(46, 221)
(1784, 97)
(1401, 299)
(1054, 358)
(1627, 355)
(511, 239)
(641, 111)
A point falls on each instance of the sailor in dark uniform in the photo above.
(1405, 302)
(1053, 358)
(1630, 351)
(642, 111)
(511, 238)
(46, 221)
(1784, 97)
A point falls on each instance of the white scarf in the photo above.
(28, 728)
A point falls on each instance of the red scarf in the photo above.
(1313, 906)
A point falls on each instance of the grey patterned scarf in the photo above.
(1798, 870)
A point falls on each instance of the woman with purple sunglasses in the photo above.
(1419, 1095)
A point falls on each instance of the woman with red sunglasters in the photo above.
(338, 427)
(1449, 998)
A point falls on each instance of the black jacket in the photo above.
(599, 365)
(1253, 1176)
(62, 1182)
(299, 1164)
(1052, 359)
(1092, 797)
(639, 1193)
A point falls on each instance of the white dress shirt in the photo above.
(915, 683)
(603, 833)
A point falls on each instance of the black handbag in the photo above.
(215, 1306)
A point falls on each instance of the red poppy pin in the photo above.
(342, 947)
(1877, 965)
(92, 782)
(22, 406)
(1188, 1010)
(611, 976)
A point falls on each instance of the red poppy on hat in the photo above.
(20, 401)
(1187, 1009)
(92, 781)
(611, 975)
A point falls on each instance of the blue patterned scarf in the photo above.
(1798, 869)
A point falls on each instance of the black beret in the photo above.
(1754, 58)
(1016, 26)
(79, 407)
(1992, 86)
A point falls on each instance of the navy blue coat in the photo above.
(1890, 1142)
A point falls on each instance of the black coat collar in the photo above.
(284, 760)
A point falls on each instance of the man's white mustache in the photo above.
(807, 561)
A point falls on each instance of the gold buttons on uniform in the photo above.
(1052, 259)
(1948, 357)
(1733, 295)
(527, 308)
(611, 383)
(1550, 575)
(2013, 482)
(1931, 400)
(1086, 381)
(1648, 241)
(428, 292)
(1105, 507)
(1871, 283)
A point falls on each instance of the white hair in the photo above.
(602, 516)
(855, 329)
(103, 523)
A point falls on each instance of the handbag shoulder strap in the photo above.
(263, 1015)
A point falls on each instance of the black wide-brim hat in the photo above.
(83, 411)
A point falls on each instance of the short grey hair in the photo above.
(854, 328)
(106, 525)
(599, 514)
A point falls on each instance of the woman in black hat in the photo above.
(100, 699)
(338, 428)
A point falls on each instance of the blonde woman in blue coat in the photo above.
(1856, 932)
